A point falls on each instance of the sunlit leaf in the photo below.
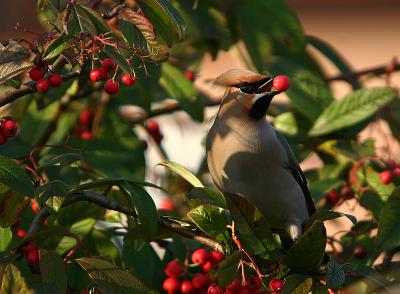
(183, 172)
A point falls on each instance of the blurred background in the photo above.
(365, 32)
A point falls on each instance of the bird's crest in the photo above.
(237, 76)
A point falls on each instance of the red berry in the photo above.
(215, 289)
(152, 127)
(33, 257)
(108, 64)
(200, 256)
(158, 137)
(9, 128)
(201, 280)
(86, 116)
(253, 283)
(190, 75)
(330, 291)
(187, 287)
(111, 87)
(245, 290)
(386, 177)
(128, 80)
(167, 204)
(174, 269)
(171, 285)
(276, 285)
(55, 80)
(359, 251)
(103, 75)
(95, 74)
(43, 85)
(233, 287)
(28, 247)
(216, 257)
(390, 164)
(396, 171)
(347, 192)
(332, 198)
(3, 139)
(36, 73)
(21, 233)
(86, 135)
(207, 266)
(35, 206)
(281, 83)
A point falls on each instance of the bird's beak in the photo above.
(267, 86)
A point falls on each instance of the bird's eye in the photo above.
(247, 89)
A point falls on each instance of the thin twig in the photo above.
(114, 12)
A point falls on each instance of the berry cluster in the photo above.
(154, 130)
(29, 249)
(111, 86)
(8, 129)
(85, 123)
(333, 197)
(44, 79)
(392, 168)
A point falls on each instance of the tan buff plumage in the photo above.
(247, 157)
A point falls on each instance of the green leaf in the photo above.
(181, 89)
(56, 46)
(324, 215)
(5, 238)
(118, 58)
(146, 222)
(103, 183)
(211, 220)
(373, 180)
(80, 21)
(297, 284)
(52, 270)
(306, 255)
(11, 69)
(13, 51)
(53, 194)
(12, 205)
(146, 29)
(331, 53)
(388, 235)
(335, 276)
(11, 280)
(66, 159)
(351, 109)
(183, 172)
(99, 23)
(228, 268)
(371, 200)
(286, 123)
(166, 19)
(199, 195)
(109, 278)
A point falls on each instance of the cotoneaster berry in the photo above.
(332, 198)
(152, 127)
(108, 64)
(35, 206)
(359, 251)
(245, 290)
(9, 128)
(200, 256)
(111, 87)
(95, 74)
(3, 139)
(215, 289)
(86, 135)
(33, 257)
(28, 247)
(281, 83)
(174, 269)
(347, 192)
(158, 137)
(253, 283)
(43, 85)
(21, 233)
(167, 204)
(216, 257)
(276, 285)
(36, 73)
(386, 177)
(201, 280)
(55, 80)
(128, 80)
(396, 172)
(207, 266)
(171, 285)
(187, 287)
(189, 75)
(86, 116)
(233, 287)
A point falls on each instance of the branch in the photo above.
(111, 204)
(114, 12)
(28, 88)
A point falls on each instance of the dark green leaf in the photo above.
(53, 194)
(211, 220)
(182, 90)
(351, 109)
(66, 159)
(331, 53)
(80, 21)
(99, 23)
(165, 18)
(324, 215)
(183, 172)
(388, 235)
(306, 255)
(5, 238)
(12, 204)
(334, 275)
(11, 280)
(297, 284)
(109, 278)
(228, 268)
(372, 201)
(55, 48)
(52, 270)
(199, 195)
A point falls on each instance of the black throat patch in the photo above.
(260, 107)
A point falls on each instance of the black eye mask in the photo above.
(250, 88)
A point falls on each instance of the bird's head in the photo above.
(253, 90)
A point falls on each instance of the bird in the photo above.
(248, 157)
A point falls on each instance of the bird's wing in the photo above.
(297, 173)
